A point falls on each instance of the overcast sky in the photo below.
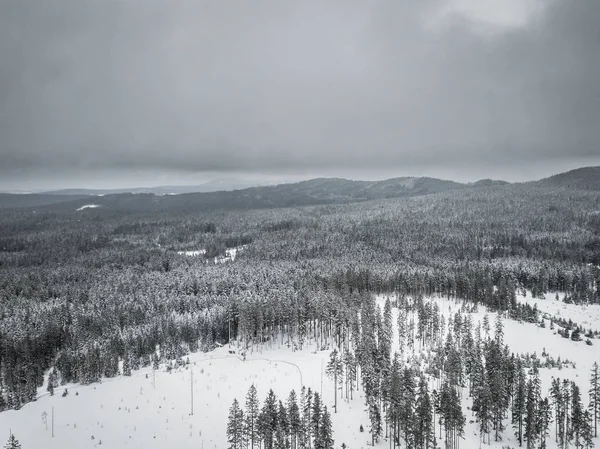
(115, 93)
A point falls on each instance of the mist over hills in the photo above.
(215, 196)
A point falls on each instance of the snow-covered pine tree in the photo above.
(251, 420)
(423, 422)
(531, 412)
(587, 436)
(335, 371)
(375, 418)
(557, 403)
(595, 396)
(350, 365)
(295, 422)
(12, 443)
(578, 424)
(325, 439)
(307, 416)
(519, 405)
(317, 410)
(566, 408)
(268, 420)
(235, 426)
(283, 427)
(544, 420)
(126, 364)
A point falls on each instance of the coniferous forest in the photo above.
(95, 293)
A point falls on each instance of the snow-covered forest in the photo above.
(420, 311)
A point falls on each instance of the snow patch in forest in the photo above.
(230, 254)
(88, 206)
(585, 315)
(198, 252)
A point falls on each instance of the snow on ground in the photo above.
(521, 337)
(587, 316)
(230, 254)
(88, 206)
(199, 252)
(130, 412)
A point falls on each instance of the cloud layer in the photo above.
(215, 85)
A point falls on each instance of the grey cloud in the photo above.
(264, 86)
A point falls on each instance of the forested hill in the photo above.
(585, 178)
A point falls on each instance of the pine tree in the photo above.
(12, 443)
(235, 426)
(283, 427)
(595, 396)
(531, 412)
(335, 371)
(587, 435)
(577, 416)
(350, 363)
(293, 413)
(268, 420)
(325, 432)
(423, 428)
(252, 414)
(307, 416)
(316, 416)
(126, 364)
(557, 402)
(375, 418)
(407, 404)
(544, 420)
(519, 407)
(51, 381)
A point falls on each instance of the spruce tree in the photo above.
(519, 407)
(595, 396)
(235, 426)
(283, 424)
(12, 443)
(557, 402)
(578, 423)
(544, 420)
(325, 432)
(268, 420)
(335, 371)
(375, 418)
(251, 420)
(295, 422)
(423, 422)
(317, 410)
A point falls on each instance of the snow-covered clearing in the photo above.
(587, 316)
(139, 412)
(88, 206)
(229, 256)
(198, 252)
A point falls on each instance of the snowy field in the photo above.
(587, 316)
(154, 409)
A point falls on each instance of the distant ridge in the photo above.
(585, 178)
(310, 192)
(210, 186)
